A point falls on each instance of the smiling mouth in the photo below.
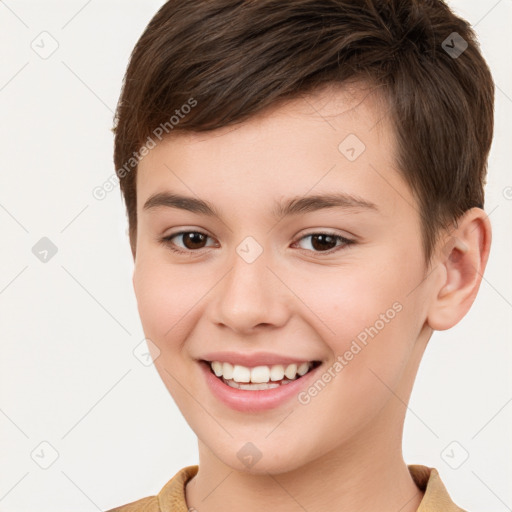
(259, 377)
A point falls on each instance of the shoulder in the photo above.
(149, 504)
(171, 497)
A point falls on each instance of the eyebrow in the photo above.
(292, 206)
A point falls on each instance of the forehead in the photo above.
(335, 138)
(332, 107)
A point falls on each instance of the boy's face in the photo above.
(258, 284)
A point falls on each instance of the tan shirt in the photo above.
(172, 496)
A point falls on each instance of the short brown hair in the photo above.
(235, 58)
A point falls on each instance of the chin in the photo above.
(260, 458)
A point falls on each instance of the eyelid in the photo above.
(326, 231)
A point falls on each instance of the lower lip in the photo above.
(258, 400)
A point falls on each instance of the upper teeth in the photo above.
(259, 374)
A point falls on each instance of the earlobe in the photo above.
(463, 256)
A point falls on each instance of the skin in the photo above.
(341, 451)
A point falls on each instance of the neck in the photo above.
(368, 475)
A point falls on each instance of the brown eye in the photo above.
(323, 242)
(191, 241)
(326, 242)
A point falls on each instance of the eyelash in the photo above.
(345, 242)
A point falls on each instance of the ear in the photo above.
(463, 256)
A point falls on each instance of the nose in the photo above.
(250, 296)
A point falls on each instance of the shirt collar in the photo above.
(436, 497)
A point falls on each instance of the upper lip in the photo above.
(254, 359)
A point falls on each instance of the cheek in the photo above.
(165, 297)
(168, 305)
(366, 316)
(372, 341)
(351, 299)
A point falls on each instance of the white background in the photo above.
(68, 375)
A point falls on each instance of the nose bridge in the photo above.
(250, 294)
